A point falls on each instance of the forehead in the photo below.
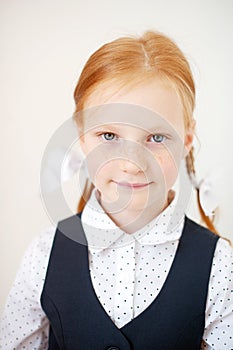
(121, 115)
(146, 106)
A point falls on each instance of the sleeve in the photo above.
(23, 324)
(219, 307)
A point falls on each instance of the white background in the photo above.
(44, 45)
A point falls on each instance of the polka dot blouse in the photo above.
(127, 272)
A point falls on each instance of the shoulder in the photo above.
(23, 304)
(201, 235)
(222, 269)
(70, 221)
(223, 244)
(219, 316)
(195, 227)
(70, 229)
(42, 242)
(223, 253)
(223, 257)
(35, 259)
(221, 280)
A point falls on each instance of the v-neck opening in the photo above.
(154, 301)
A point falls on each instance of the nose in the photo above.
(129, 167)
(133, 159)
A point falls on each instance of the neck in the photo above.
(131, 220)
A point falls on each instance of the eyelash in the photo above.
(111, 133)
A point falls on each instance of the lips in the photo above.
(132, 185)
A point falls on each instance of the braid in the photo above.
(190, 162)
(85, 195)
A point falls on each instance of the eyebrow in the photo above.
(106, 126)
(152, 130)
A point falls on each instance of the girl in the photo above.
(130, 270)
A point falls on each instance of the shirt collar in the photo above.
(101, 232)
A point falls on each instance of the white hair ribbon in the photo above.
(60, 166)
(207, 194)
(71, 164)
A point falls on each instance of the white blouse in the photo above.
(127, 272)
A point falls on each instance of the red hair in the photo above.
(132, 60)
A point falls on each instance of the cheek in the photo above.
(100, 172)
(169, 168)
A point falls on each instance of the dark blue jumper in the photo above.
(175, 320)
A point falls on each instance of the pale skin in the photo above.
(134, 143)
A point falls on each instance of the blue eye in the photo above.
(108, 136)
(158, 138)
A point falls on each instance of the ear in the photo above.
(188, 140)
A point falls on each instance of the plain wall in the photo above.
(44, 45)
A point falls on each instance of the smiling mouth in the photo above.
(132, 185)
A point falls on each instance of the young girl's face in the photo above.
(134, 141)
